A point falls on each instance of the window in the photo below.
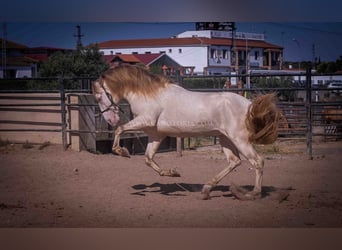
(256, 55)
(148, 52)
(212, 53)
(134, 53)
(225, 54)
(180, 51)
(170, 51)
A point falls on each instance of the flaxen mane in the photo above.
(124, 79)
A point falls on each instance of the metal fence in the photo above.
(307, 112)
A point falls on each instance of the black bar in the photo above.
(30, 130)
(31, 105)
(29, 98)
(30, 110)
(54, 124)
(63, 113)
(308, 114)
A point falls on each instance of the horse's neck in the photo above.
(140, 103)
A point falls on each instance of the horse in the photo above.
(162, 108)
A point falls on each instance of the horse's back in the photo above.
(200, 112)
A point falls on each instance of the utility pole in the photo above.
(314, 55)
(300, 58)
(79, 45)
(3, 50)
(232, 28)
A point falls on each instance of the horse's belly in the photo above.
(187, 128)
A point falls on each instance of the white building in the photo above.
(206, 51)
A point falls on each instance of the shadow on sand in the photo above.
(180, 189)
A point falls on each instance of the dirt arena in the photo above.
(50, 187)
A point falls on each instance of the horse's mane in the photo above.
(124, 79)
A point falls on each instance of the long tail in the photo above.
(262, 120)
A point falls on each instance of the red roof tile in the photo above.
(148, 58)
(20, 61)
(183, 42)
(129, 58)
(13, 45)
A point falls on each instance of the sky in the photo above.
(295, 25)
(301, 40)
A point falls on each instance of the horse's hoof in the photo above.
(125, 153)
(170, 172)
(174, 173)
(121, 151)
(243, 194)
(206, 192)
(253, 195)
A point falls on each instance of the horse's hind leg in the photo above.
(258, 163)
(151, 150)
(247, 150)
(233, 159)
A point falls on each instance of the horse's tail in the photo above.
(262, 120)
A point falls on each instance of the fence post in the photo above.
(179, 146)
(63, 112)
(308, 114)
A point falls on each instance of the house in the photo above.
(42, 53)
(14, 64)
(114, 60)
(156, 61)
(206, 51)
(18, 61)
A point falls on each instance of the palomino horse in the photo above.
(163, 109)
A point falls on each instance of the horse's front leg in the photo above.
(152, 147)
(116, 149)
(134, 125)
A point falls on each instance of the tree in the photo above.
(277, 82)
(80, 63)
(330, 67)
(87, 62)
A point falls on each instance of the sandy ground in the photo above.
(51, 187)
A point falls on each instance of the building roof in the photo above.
(19, 61)
(13, 45)
(128, 58)
(157, 59)
(44, 48)
(187, 41)
(148, 59)
(42, 53)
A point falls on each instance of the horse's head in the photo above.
(108, 105)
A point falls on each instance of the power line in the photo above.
(298, 27)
